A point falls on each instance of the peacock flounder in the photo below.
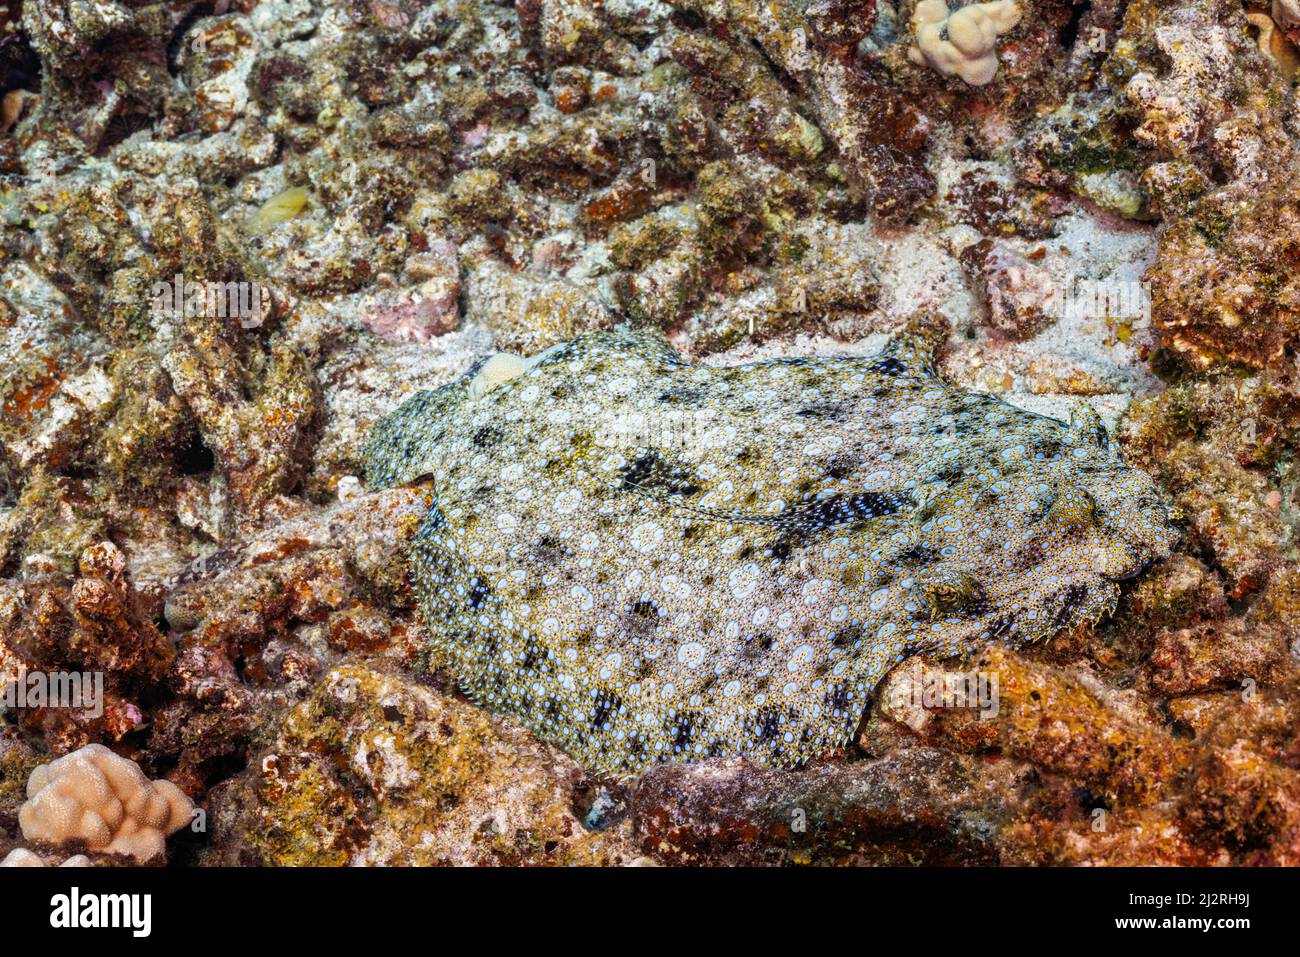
(647, 559)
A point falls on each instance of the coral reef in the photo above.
(376, 769)
(363, 200)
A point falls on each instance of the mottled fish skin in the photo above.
(649, 560)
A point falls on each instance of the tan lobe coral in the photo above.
(105, 800)
(963, 41)
(21, 857)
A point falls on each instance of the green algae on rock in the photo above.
(649, 560)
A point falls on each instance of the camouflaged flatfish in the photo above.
(647, 560)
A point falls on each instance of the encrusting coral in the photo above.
(104, 800)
